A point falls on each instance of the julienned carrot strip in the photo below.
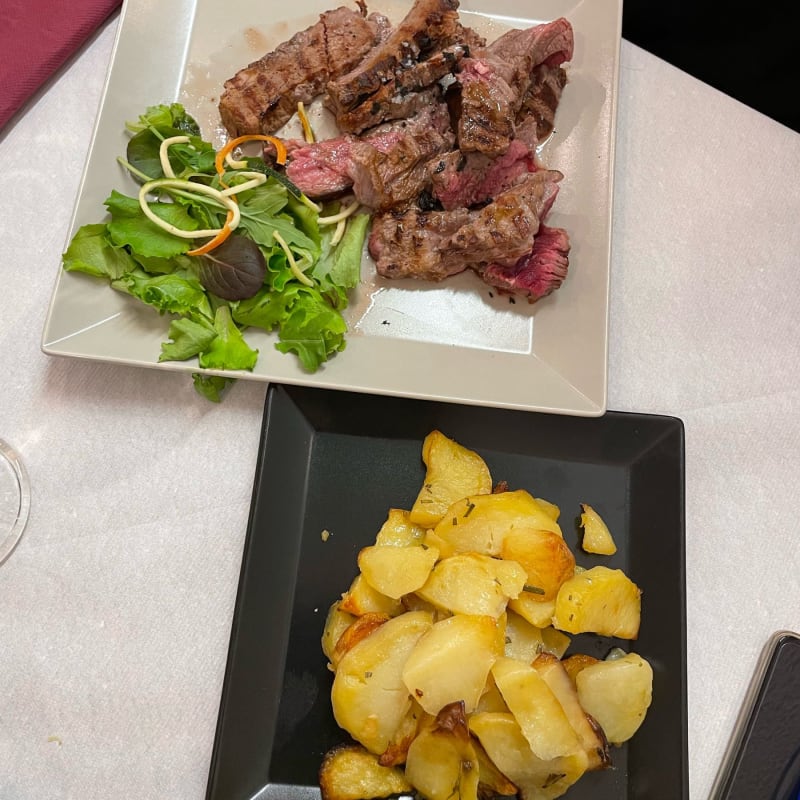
(228, 147)
(224, 233)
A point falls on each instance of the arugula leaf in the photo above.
(339, 268)
(91, 252)
(167, 116)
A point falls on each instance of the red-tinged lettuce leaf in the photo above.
(235, 270)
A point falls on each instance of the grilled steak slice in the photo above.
(429, 25)
(263, 96)
(409, 243)
(385, 168)
(402, 245)
(386, 105)
(396, 176)
(459, 179)
(542, 98)
(495, 81)
(538, 273)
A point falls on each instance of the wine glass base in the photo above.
(15, 500)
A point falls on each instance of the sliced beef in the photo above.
(542, 98)
(402, 245)
(395, 176)
(459, 179)
(494, 82)
(409, 243)
(388, 104)
(538, 273)
(385, 168)
(429, 25)
(263, 96)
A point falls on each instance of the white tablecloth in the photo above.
(115, 609)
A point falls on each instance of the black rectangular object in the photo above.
(338, 461)
(763, 757)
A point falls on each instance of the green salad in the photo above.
(220, 245)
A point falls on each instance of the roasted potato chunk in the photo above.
(350, 772)
(452, 472)
(395, 571)
(336, 622)
(536, 778)
(591, 736)
(368, 695)
(532, 608)
(450, 662)
(479, 524)
(536, 709)
(599, 600)
(398, 530)
(361, 598)
(471, 583)
(442, 763)
(597, 537)
(617, 693)
(545, 557)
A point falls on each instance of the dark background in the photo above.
(749, 52)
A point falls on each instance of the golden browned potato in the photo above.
(597, 537)
(531, 607)
(452, 472)
(576, 662)
(368, 696)
(399, 530)
(471, 583)
(536, 778)
(491, 782)
(545, 557)
(450, 662)
(350, 772)
(358, 629)
(478, 524)
(599, 600)
(442, 763)
(395, 571)
(617, 693)
(536, 709)
(589, 732)
(336, 622)
(361, 598)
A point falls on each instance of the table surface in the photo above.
(117, 604)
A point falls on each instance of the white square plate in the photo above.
(453, 341)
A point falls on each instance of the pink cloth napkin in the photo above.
(36, 38)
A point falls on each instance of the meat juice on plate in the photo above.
(460, 311)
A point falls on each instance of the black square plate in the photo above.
(338, 461)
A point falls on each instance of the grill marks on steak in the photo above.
(495, 82)
(436, 244)
(263, 96)
(427, 25)
(386, 168)
(431, 118)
